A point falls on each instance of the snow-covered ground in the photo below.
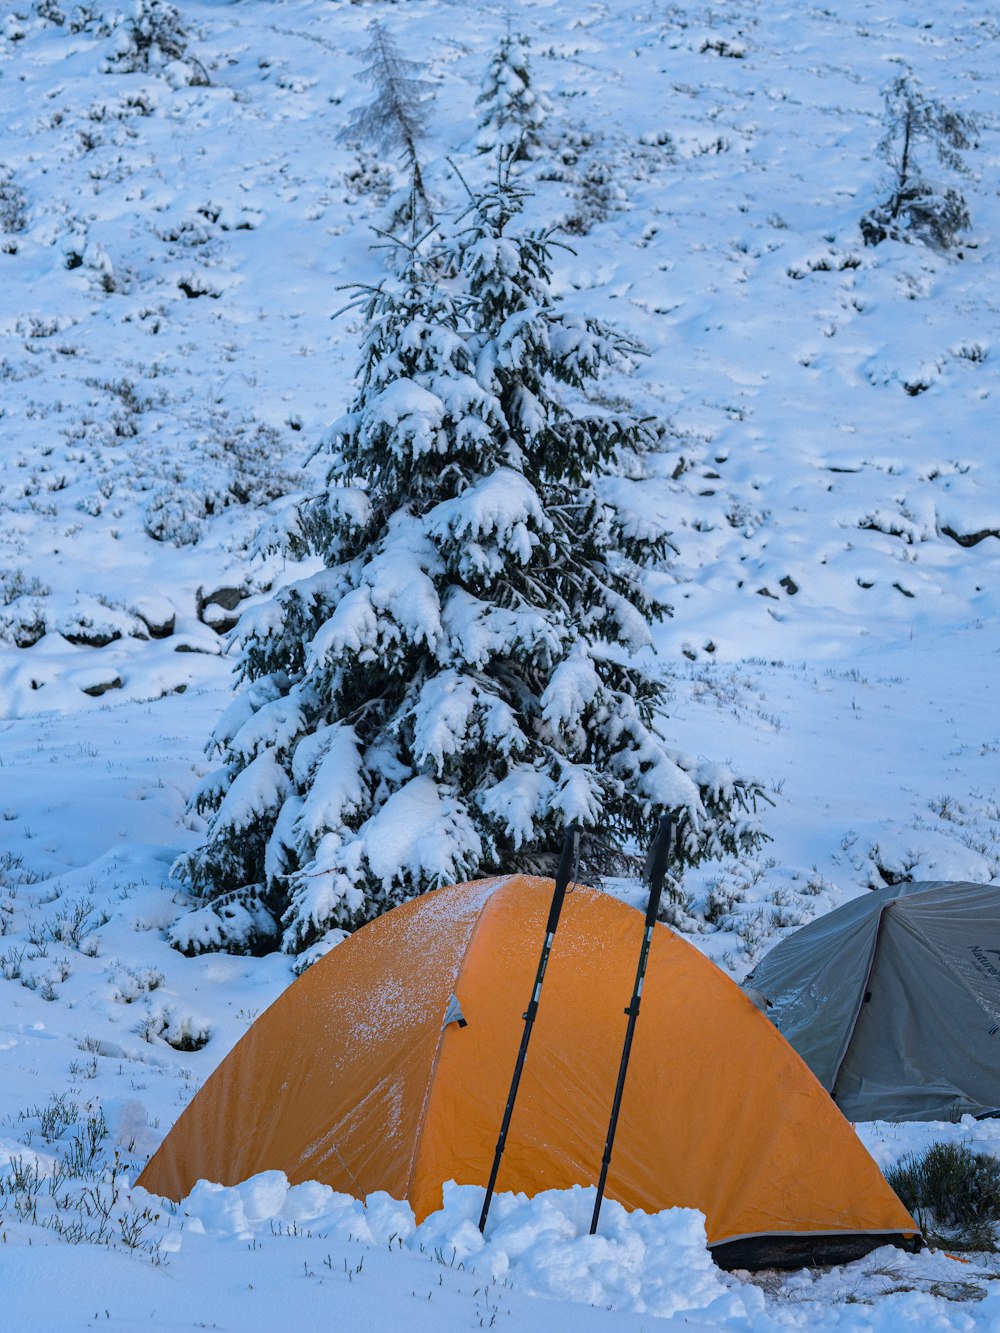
(170, 256)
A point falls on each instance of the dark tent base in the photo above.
(753, 1252)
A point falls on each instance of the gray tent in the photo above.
(893, 1001)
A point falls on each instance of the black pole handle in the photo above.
(567, 862)
(656, 866)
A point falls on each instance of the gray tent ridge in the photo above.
(893, 1001)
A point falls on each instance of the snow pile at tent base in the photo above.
(243, 1256)
(638, 1264)
(649, 1264)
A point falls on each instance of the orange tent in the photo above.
(359, 1075)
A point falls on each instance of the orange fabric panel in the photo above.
(719, 1113)
(329, 1083)
(749, 1130)
(349, 1077)
(557, 1131)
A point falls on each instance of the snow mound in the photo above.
(654, 1264)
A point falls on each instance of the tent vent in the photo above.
(453, 1014)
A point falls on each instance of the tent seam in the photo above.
(845, 1048)
(502, 880)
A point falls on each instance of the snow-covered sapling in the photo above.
(395, 120)
(598, 195)
(917, 205)
(471, 669)
(512, 109)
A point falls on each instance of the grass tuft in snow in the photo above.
(953, 1192)
(80, 1194)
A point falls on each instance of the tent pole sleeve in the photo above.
(659, 856)
(846, 1044)
(563, 875)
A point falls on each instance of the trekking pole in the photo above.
(656, 866)
(563, 876)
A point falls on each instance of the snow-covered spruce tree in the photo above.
(512, 109)
(471, 670)
(395, 120)
(918, 205)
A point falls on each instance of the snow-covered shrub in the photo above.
(231, 462)
(86, 18)
(134, 983)
(937, 216)
(184, 1032)
(472, 667)
(369, 176)
(98, 19)
(153, 38)
(174, 517)
(512, 109)
(237, 922)
(50, 12)
(13, 203)
(15, 584)
(22, 615)
(930, 210)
